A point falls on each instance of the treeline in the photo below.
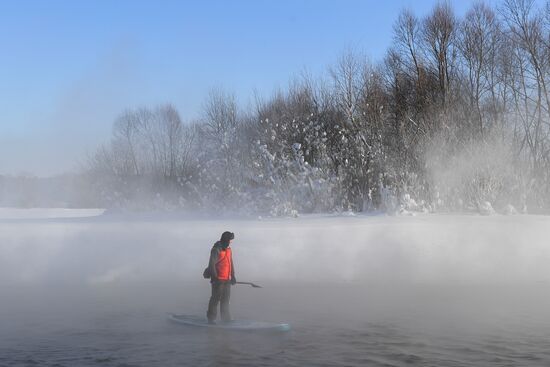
(455, 117)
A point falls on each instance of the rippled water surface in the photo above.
(347, 324)
(380, 291)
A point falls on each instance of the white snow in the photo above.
(510, 210)
(485, 208)
(42, 213)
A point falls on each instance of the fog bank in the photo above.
(440, 249)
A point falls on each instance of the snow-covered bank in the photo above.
(47, 213)
(375, 249)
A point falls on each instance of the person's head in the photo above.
(226, 238)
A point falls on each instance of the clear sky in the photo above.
(68, 68)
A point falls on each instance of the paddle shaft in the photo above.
(249, 283)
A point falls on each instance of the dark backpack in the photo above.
(206, 273)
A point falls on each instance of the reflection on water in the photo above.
(333, 324)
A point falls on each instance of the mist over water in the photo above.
(428, 249)
(445, 290)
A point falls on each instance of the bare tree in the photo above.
(168, 138)
(406, 35)
(126, 134)
(526, 32)
(478, 43)
(438, 31)
(348, 87)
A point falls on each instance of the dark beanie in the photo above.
(226, 237)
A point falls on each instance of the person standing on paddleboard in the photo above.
(221, 272)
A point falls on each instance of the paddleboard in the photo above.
(232, 325)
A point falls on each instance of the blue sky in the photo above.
(68, 68)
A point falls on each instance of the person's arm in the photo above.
(212, 263)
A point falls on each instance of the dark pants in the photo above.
(221, 292)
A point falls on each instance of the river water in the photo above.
(332, 325)
(380, 291)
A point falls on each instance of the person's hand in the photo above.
(233, 281)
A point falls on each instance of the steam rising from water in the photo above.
(379, 250)
(438, 290)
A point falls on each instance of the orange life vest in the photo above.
(223, 265)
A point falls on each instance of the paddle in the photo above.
(249, 283)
